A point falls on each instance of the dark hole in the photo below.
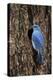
(30, 31)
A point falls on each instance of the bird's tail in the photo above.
(40, 57)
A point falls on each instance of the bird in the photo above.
(38, 42)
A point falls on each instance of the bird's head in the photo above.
(36, 27)
(33, 28)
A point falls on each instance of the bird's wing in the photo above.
(35, 42)
(39, 35)
(38, 38)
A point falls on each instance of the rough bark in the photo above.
(21, 60)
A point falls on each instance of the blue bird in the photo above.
(38, 42)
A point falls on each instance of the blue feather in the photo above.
(38, 42)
